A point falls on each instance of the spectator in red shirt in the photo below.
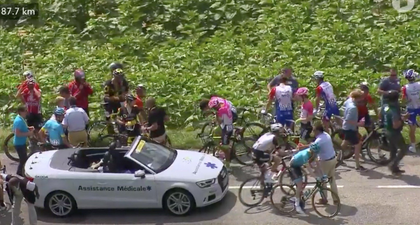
(81, 90)
(364, 105)
(31, 97)
(28, 75)
(141, 94)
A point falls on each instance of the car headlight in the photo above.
(206, 183)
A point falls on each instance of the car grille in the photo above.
(223, 178)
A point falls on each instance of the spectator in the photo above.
(156, 121)
(21, 188)
(291, 80)
(22, 132)
(59, 102)
(392, 82)
(65, 93)
(81, 90)
(141, 94)
(75, 121)
(28, 75)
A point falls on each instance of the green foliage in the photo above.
(186, 49)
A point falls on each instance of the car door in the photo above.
(130, 191)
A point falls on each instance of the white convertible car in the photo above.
(144, 175)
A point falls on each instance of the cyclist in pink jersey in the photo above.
(306, 113)
(225, 118)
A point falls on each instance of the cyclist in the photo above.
(115, 65)
(303, 157)
(306, 113)
(81, 90)
(393, 123)
(264, 146)
(56, 135)
(225, 118)
(128, 117)
(28, 75)
(283, 95)
(141, 94)
(208, 104)
(363, 107)
(411, 95)
(31, 97)
(115, 91)
(325, 91)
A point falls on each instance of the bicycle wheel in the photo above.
(257, 190)
(326, 210)
(8, 148)
(376, 152)
(242, 153)
(285, 181)
(206, 129)
(96, 131)
(254, 130)
(283, 203)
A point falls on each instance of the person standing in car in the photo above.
(156, 122)
(19, 189)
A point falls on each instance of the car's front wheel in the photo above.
(179, 202)
(60, 204)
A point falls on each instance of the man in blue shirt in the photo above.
(350, 125)
(22, 132)
(55, 130)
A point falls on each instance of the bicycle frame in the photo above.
(318, 187)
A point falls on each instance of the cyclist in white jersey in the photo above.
(283, 94)
(411, 95)
(325, 91)
(264, 146)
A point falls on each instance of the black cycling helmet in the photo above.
(115, 65)
(391, 96)
(129, 97)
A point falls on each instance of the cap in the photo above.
(30, 186)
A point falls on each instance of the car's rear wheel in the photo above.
(60, 204)
(179, 202)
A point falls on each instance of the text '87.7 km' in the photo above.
(18, 11)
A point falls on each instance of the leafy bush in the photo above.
(186, 49)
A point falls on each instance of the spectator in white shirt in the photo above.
(75, 121)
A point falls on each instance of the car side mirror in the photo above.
(140, 173)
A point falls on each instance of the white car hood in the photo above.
(193, 166)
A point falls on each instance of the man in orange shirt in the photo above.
(141, 93)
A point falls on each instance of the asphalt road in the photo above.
(371, 197)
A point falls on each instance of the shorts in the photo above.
(260, 157)
(413, 116)
(35, 120)
(296, 173)
(351, 136)
(305, 130)
(285, 118)
(226, 135)
(331, 111)
(368, 120)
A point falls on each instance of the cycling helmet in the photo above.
(302, 91)
(141, 86)
(318, 75)
(118, 72)
(276, 127)
(115, 65)
(410, 74)
(129, 97)
(364, 86)
(59, 112)
(315, 148)
(28, 74)
(79, 73)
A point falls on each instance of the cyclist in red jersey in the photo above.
(365, 104)
(81, 90)
(31, 97)
(28, 76)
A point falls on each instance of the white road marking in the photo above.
(398, 186)
(249, 187)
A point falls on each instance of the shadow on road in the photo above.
(143, 216)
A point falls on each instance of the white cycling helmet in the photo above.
(28, 74)
(318, 75)
(276, 127)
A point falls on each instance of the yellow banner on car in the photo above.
(140, 146)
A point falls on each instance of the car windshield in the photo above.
(155, 156)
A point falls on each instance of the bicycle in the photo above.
(263, 188)
(288, 199)
(238, 147)
(99, 128)
(10, 151)
(250, 129)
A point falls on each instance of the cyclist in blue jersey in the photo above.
(55, 130)
(325, 91)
